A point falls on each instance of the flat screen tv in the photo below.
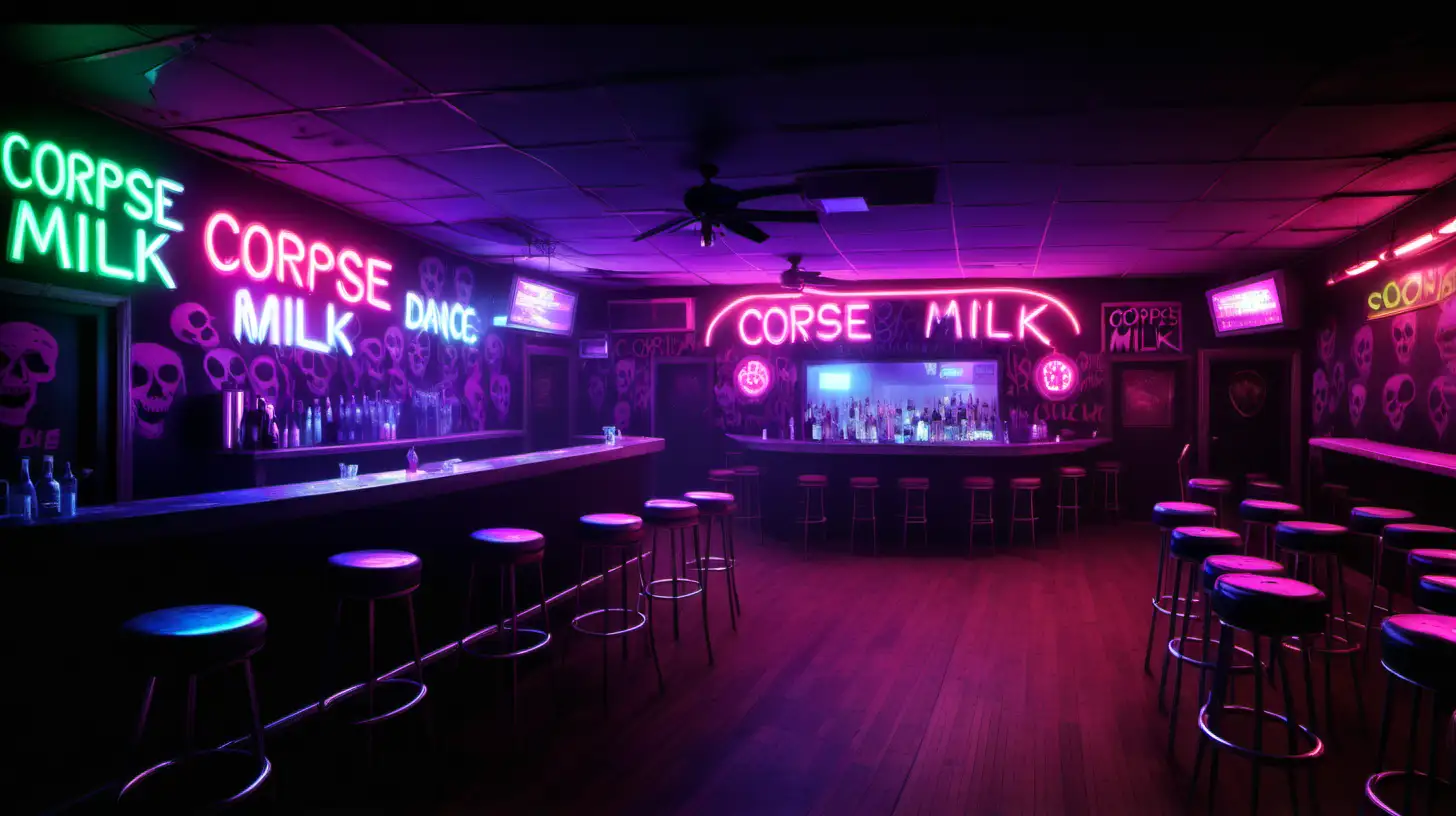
(1256, 304)
(541, 307)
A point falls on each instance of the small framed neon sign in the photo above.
(753, 377)
(1056, 377)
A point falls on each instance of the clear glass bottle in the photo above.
(25, 501)
(68, 493)
(49, 490)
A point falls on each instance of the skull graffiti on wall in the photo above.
(500, 396)
(626, 377)
(317, 369)
(495, 352)
(371, 352)
(1400, 392)
(1362, 352)
(1327, 344)
(192, 324)
(264, 376)
(419, 354)
(622, 415)
(394, 344)
(432, 277)
(449, 363)
(1357, 404)
(156, 376)
(1403, 335)
(28, 359)
(464, 284)
(398, 385)
(225, 369)
(1320, 394)
(1446, 334)
(474, 396)
(596, 394)
(1439, 395)
(1337, 385)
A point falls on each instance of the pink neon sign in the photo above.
(1056, 377)
(263, 254)
(1002, 313)
(1246, 306)
(753, 377)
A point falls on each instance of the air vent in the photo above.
(656, 315)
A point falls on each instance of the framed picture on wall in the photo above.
(1147, 398)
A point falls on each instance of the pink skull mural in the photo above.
(494, 352)
(432, 277)
(192, 324)
(500, 396)
(225, 369)
(1438, 403)
(464, 284)
(371, 354)
(1400, 392)
(317, 370)
(1362, 352)
(268, 378)
(449, 363)
(622, 415)
(394, 344)
(1357, 403)
(596, 394)
(1320, 394)
(1446, 334)
(398, 385)
(475, 399)
(156, 377)
(28, 360)
(419, 354)
(1403, 336)
(1327, 345)
(626, 377)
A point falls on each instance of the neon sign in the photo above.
(828, 315)
(1056, 377)
(451, 321)
(1411, 291)
(86, 242)
(281, 323)
(753, 377)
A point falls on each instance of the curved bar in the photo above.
(990, 449)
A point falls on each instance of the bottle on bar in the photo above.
(330, 424)
(297, 418)
(68, 493)
(48, 492)
(356, 421)
(25, 500)
(273, 441)
(376, 417)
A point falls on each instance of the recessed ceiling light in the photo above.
(842, 205)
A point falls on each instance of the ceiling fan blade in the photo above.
(770, 190)
(779, 216)
(670, 224)
(747, 230)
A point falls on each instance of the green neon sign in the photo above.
(75, 226)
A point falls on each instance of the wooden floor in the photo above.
(1010, 683)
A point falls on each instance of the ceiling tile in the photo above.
(847, 94)
(221, 144)
(726, 263)
(684, 110)
(605, 246)
(992, 216)
(52, 42)
(877, 219)
(301, 136)
(1081, 233)
(640, 262)
(1419, 172)
(923, 260)
(1138, 182)
(392, 212)
(286, 61)
(569, 228)
(602, 165)
(1288, 179)
(1236, 216)
(560, 203)
(534, 118)
(897, 240)
(640, 197)
(998, 255)
(1410, 71)
(735, 278)
(456, 208)
(1124, 255)
(191, 90)
(320, 184)
(1110, 135)
(1302, 239)
(1120, 211)
(1347, 212)
(1347, 130)
(472, 57)
(392, 177)
(492, 170)
(1188, 239)
(416, 127)
(971, 237)
(997, 183)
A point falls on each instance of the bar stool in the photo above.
(1274, 609)
(1110, 474)
(719, 507)
(910, 488)
(975, 486)
(185, 642)
(749, 498)
(507, 549)
(1317, 547)
(1260, 515)
(1024, 486)
(370, 576)
(722, 479)
(1265, 489)
(1336, 498)
(1437, 594)
(1419, 651)
(1070, 475)
(813, 486)
(677, 518)
(1214, 567)
(1219, 489)
(863, 490)
(611, 536)
(1167, 516)
(1372, 522)
(1189, 546)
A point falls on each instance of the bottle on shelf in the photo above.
(330, 423)
(48, 492)
(68, 493)
(26, 505)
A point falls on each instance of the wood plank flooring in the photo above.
(1009, 683)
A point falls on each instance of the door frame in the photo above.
(122, 417)
(657, 362)
(1290, 356)
(548, 351)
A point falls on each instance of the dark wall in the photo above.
(190, 327)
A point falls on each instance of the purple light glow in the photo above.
(1245, 307)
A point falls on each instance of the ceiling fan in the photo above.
(795, 279)
(712, 205)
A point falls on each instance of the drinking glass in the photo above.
(610, 433)
(348, 471)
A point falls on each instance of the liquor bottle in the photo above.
(25, 500)
(411, 461)
(356, 421)
(376, 417)
(68, 493)
(274, 440)
(330, 424)
(296, 420)
(48, 491)
(255, 433)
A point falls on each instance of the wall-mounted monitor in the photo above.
(1256, 304)
(541, 307)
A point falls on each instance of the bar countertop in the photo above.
(1441, 464)
(990, 449)
(196, 513)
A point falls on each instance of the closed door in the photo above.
(682, 414)
(548, 402)
(1249, 418)
(1152, 425)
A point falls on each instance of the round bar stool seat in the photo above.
(1183, 514)
(722, 474)
(978, 483)
(1420, 651)
(1262, 489)
(1431, 562)
(912, 482)
(1409, 536)
(375, 574)
(669, 511)
(1309, 536)
(711, 502)
(1270, 604)
(1198, 543)
(1217, 566)
(746, 470)
(864, 481)
(1025, 483)
(1109, 465)
(509, 545)
(1268, 511)
(1071, 471)
(1372, 520)
(1210, 485)
(610, 529)
(812, 480)
(1437, 593)
(193, 639)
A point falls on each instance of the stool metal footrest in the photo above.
(1316, 749)
(419, 690)
(712, 563)
(578, 622)
(1324, 640)
(694, 588)
(1376, 779)
(480, 647)
(1175, 648)
(1158, 604)
(202, 767)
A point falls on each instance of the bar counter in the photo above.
(1428, 461)
(986, 449)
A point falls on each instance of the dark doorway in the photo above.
(1150, 409)
(1247, 416)
(682, 414)
(548, 407)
